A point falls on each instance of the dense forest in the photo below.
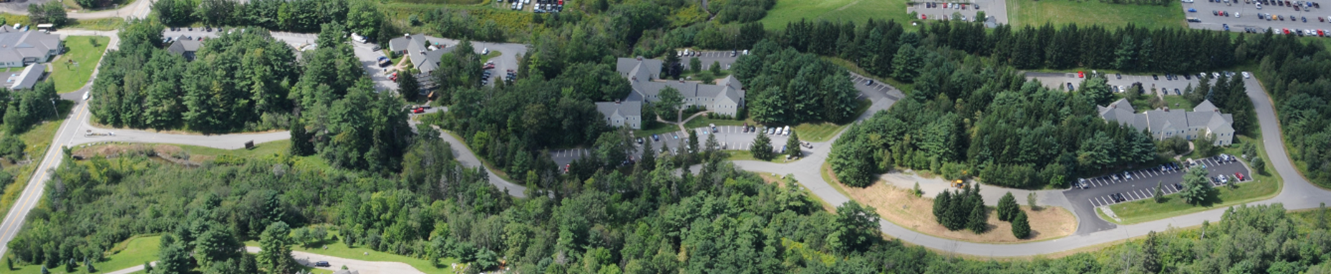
(785, 87)
(991, 123)
(1298, 77)
(362, 17)
(248, 81)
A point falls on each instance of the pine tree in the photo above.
(648, 155)
(300, 140)
(761, 147)
(1258, 165)
(977, 222)
(1020, 227)
(1007, 207)
(793, 145)
(147, 267)
(1151, 254)
(1159, 194)
(408, 86)
(941, 207)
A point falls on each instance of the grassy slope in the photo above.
(1262, 187)
(96, 24)
(1060, 12)
(787, 11)
(70, 77)
(339, 249)
(130, 253)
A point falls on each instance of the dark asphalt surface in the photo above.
(1099, 191)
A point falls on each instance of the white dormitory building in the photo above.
(1164, 123)
(726, 97)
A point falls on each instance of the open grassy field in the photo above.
(1061, 12)
(1262, 187)
(787, 11)
(339, 249)
(818, 132)
(73, 68)
(902, 208)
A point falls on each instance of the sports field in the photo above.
(1084, 13)
(787, 11)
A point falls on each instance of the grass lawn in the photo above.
(130, 253)
(703, 121)
(1177, 102)
(743, 154)
(96, 24)
(818, 132)
(86, 52)
(1061, 12)
(1262, 187)
(339, 249)
(859, 11)
(492, 55)
(904, 209)
(655, 128)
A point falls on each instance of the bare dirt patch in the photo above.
(900, 207)
(166, 152)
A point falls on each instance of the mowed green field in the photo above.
(787, 11)
(1062, 12)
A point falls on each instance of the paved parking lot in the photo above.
(1175, 86)
(730, 137)
(994, 8)
(1244, 14)
(708, 57)
(1100, 191)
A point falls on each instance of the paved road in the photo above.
(336, 263)
(138, 9)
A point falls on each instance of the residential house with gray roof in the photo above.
(1164, 123)
(185, 47)
(724, 97)
(21, 48)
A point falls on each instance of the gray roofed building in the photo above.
(28, 77)
(20, 48)
(422, 53)
(184, 46)
(1164, 123)
(623, 113)
(725, 97)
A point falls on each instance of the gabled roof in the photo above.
(1205, 106)
(29, 76)
(643, 69)
(15, 45)
(620, 110)
(182, 45)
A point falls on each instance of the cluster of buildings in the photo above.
(29, 50)
(1164, 123)
(725, 97)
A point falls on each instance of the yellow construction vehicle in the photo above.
(958, 184)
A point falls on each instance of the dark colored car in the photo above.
(322, 264)
(656, 137)
(1155, 77)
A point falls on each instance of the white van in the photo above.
(785, 131)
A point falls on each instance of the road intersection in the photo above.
(1297, 192)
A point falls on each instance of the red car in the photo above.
(1285, 30)
(1238, 175)
(418, 110)
(1081, 74)
(923, 17)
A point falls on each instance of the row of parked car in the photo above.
(955, 6)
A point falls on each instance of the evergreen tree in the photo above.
(1196, 185)
(695, 65)
(1151, 253)
(173, 258)
(761, 147)
(1007, 207)
(275, 245)
(941, 207)
(716, 68)
(147, 267)
(648, 161)
(1159, 194)
(408, 86)
(693, 141)
(977, 221)
(1258, 165)
(300, 140)
(1020, 227)
(793, 145)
